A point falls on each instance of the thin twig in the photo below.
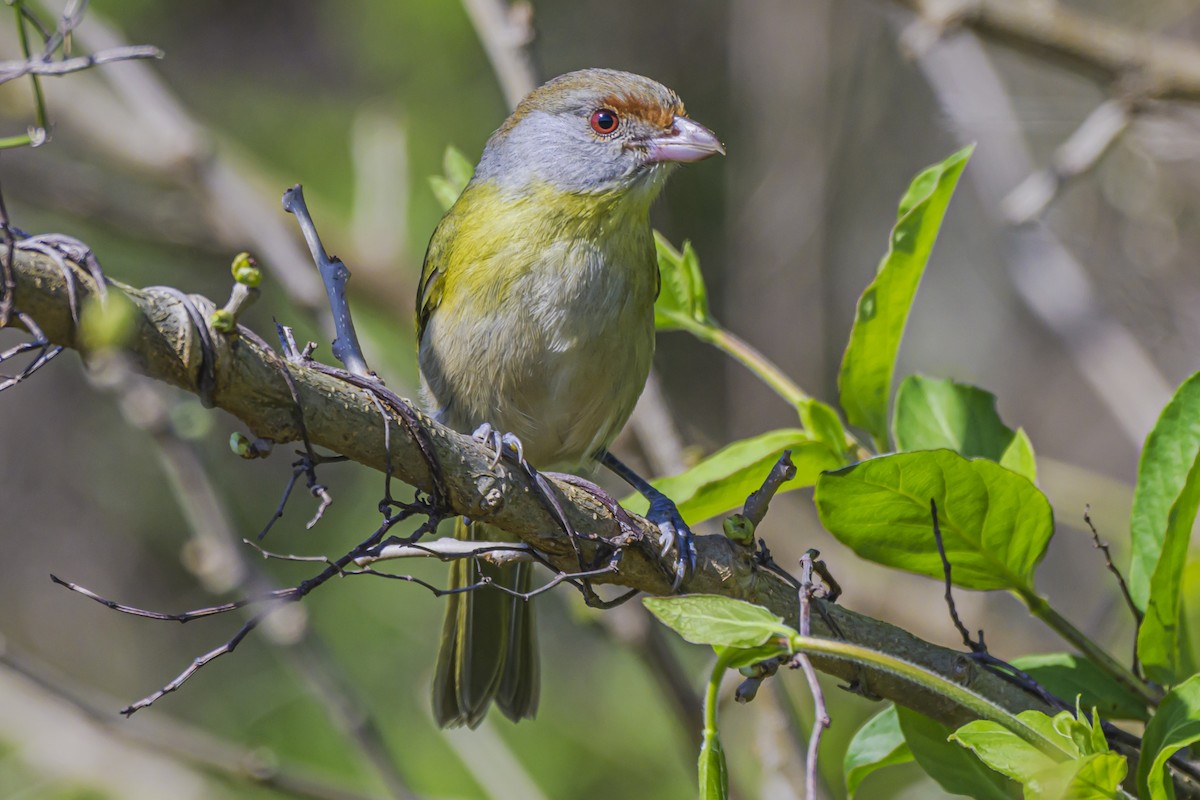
(10, 70)
(1111, 567)
(821, 719)
(334, 275)
(968, 642)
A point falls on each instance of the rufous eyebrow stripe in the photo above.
(655, 113)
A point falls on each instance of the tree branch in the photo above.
(250, 384)
(1147, 65)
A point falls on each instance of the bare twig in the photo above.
(334, 275)
(1111, 567)
(969, 643)
(10, 70)
(820, 714)
(1108, 563)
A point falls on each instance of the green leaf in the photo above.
(1067, 676)
(1002, 750)
(738, 657)
(443, 191)
(995, 524)
(714, 777)
(1160, 637)
(823, 424)
(457, 172)
(953, 767)
(457, 168)
(1019, 456)
(1079, 767)
(1170, 451)
(725, 479)
(932, 414)
(716, 620)
(682, 298)
(870, 360)
(1175, 726)
(1094, 777)
(878, 743)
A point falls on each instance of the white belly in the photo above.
(559, 359)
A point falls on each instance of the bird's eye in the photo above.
(605, 121)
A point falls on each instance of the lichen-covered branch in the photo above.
(250, 383)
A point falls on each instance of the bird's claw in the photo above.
(502, 443)
(673, 532)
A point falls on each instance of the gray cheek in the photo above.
(554, 149)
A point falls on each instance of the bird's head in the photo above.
(595, 131)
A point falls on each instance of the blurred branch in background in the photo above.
(1053, 285)
(45, 63)
(506, 31)
(1141, 64)
(215, 557)
(190, 748)
(135, 117)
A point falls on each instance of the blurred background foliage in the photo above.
(825, 118)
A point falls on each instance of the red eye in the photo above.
(605, 121)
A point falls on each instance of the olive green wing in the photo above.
(433, 271)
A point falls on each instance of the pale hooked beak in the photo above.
(687, 141)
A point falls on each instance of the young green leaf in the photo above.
(725, 479)
(1176, 725)
(1160, 637)
(1067, 675)
(1079, 767)
(870, 359)
(1170, 451)
(823, 424)
(682, 297)
(932, 414)
(457, 172)
(1002, 750)
(1094, 777)
(443, 191)
(955, 769)
(738, 657)
(716, 620)
(457, 168)
(878, 743)
(995, 524)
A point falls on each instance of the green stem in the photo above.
(1041, 609)
(38, 98)
(710, 692)
(743, 352)
(713, 772)
(978, 705)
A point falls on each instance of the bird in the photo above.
(535, 331)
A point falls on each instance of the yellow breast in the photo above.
(541, 317)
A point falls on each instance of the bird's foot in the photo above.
(673, 532)
(503, 444)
